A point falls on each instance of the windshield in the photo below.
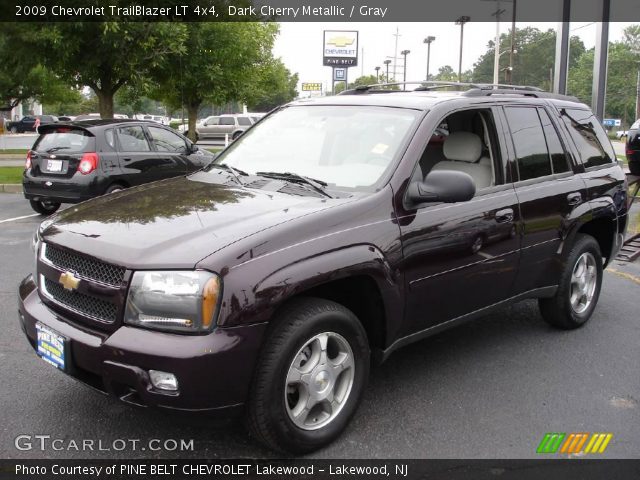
(343, 146)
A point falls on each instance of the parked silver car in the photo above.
(218, 126)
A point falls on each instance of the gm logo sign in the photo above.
(574, 443)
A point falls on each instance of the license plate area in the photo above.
(53, 166)
(51, 346)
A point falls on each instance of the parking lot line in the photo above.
(19, 218)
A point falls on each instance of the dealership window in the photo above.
(529, 142)
(591, 141)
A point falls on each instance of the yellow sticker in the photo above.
(379, 148)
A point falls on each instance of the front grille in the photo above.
(80, 303)
(84, 266)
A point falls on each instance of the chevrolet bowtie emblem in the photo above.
(68, 281)
(341, 42)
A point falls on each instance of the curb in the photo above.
(11, 187)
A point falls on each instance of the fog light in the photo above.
(163, 380)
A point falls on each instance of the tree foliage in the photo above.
(274, 85)
(219, 63)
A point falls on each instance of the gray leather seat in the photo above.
(463, 151)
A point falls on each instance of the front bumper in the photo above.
(214, 371)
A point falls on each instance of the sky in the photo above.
(300, 45)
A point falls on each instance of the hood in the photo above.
(174, 223)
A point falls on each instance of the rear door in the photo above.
(226, 126)
(550, 192)
(139, 163)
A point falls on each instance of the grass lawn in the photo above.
(17, 151)
(11, 174)
(213, 149)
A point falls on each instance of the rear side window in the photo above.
(244, 121)
(132, 139)
(592, 143)
(166, 141)
(559, 161)
(529, 142)
(65, 140)
(227, 121)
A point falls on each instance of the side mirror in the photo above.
(448, 186)
(193, 148)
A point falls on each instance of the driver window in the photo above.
(464, 141)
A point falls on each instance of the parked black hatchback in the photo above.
(75, 161)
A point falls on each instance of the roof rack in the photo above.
(473, 89)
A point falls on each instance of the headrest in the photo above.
(463, 147)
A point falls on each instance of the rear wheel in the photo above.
(235, 135)
(14, 129)
(116, 187)
(44, 207)
(579, 288)
(310, 376)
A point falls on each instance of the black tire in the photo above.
(44, 207)
(558, 310)
(14, 130)
(268, 417)
(235, 135)
(116, 187)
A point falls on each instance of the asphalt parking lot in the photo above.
(490, 389)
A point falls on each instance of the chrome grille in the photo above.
(84, 266)
(79, 302)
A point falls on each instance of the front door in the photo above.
(461, 257)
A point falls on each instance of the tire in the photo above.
(235, 135)
(477, 244)
(14, 130)
(116, 187)
(292, 345)
(579, 287)
(44, 207)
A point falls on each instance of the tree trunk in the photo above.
(192, 115)
(105, 103)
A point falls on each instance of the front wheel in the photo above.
(579, 288)
(310, 376)
(44, 207)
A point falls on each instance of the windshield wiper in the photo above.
(236, 172)
(55, 149)
(317, 185)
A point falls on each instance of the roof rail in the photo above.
(473, 89)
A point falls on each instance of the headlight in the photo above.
(176, 301)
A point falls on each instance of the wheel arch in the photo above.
(357, 277)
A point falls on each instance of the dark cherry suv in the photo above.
(334, 232)
(75, 161)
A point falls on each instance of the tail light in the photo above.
(88, 163)
(27, 163)
(628, 151)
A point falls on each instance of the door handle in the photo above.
(504, 216)
(574, 198)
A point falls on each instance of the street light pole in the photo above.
(496, 50)
(387, 62)
(377, 75)
(404, 53)
(513, 44)
(428, 41)
(461, 21)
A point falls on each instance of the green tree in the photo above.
(534, 61)
(104, 56)
(23, 76)
(274, 86)
(221, 62)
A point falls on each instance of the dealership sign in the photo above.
(340, 48)
(312, 87)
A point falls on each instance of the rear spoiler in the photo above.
(48, 127)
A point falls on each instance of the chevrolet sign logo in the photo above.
(342, 41)
(69, 281)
